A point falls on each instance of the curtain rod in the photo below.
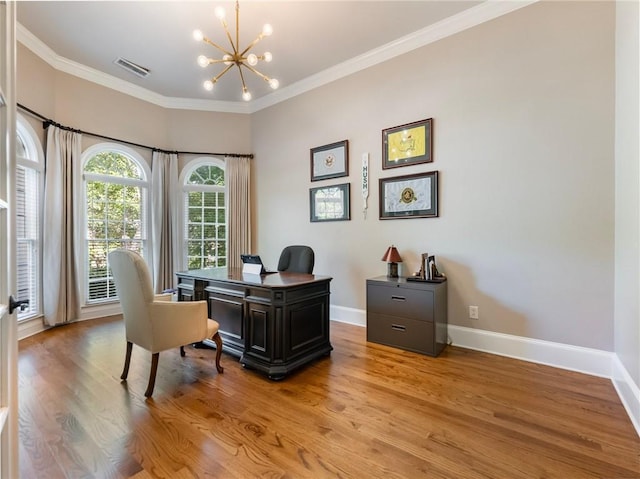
(46, 122)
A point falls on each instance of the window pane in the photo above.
(115, 219)
(207, 175)
(27, 213)
(205, 225)
(112, 163)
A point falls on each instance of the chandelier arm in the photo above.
(244, 86)
(264, 77)
(252, 44)
(226, 30)
(217, 77)
(206, 40)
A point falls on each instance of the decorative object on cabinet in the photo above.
(330, 161)
(409, 196)
(410, 316)
(392, 257)
(428, 270)
(330, 203)
(408, 144)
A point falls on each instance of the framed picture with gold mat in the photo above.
(408, 144)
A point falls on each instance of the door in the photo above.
(8, 318)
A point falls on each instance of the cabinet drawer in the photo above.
(402, 302)
(403, 333)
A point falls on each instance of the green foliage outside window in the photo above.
(114, 218)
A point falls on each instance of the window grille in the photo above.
(205, 213)
(116, 195)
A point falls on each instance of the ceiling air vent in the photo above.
(131, 67)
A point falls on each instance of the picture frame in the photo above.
(409, 196)
(330, 161)
(408, 144)
(330, 203)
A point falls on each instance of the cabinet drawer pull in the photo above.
(398, 298)
(398, 327)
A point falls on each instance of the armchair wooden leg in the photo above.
(218, 341)
(127, 360)
(152, 374)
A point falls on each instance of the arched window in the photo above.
(115, 193)
(29, 184)
(204, 213)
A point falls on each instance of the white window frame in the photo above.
(36, 162)
(186, 172)
(81, 207)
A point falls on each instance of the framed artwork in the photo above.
(408, 144)
(330, 161)
(330, 203)
(409, 196)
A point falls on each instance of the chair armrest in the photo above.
(177, 323)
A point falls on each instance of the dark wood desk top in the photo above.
(234, 275)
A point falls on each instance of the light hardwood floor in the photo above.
(367, 411)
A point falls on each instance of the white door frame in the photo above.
(8, 322)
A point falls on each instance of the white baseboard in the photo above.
(590, 361)
(29, 327)
(354, 316)
(628, 391)
(565, 356)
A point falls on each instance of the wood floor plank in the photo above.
(367, 410)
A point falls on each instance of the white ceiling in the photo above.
(311, 42)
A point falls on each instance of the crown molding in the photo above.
(472, 17)
(65, 65)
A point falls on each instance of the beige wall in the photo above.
(627, 152)
(87, 106)
(523, 110)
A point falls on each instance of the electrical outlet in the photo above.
(473, 312)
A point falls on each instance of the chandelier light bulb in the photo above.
(203, 61)
(252, 59)
(267, 57)
(208, 85)
(274, 84)
(198, 36)
(267, 30)
(219, 13)
(227, 59)
(246, 96)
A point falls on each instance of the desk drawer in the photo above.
(402, 333)
(401, 302)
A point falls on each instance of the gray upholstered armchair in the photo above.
(297, 259)
(154, 322)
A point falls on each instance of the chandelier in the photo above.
(236, 57)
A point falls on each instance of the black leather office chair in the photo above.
(297, 259)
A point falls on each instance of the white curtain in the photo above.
(61, 296)
(165, 196)
(238, 172)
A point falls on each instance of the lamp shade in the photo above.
(392, 255)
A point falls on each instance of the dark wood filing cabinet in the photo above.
(407, 314)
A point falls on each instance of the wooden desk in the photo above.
(274, 323)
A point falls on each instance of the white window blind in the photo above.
(27, 235)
